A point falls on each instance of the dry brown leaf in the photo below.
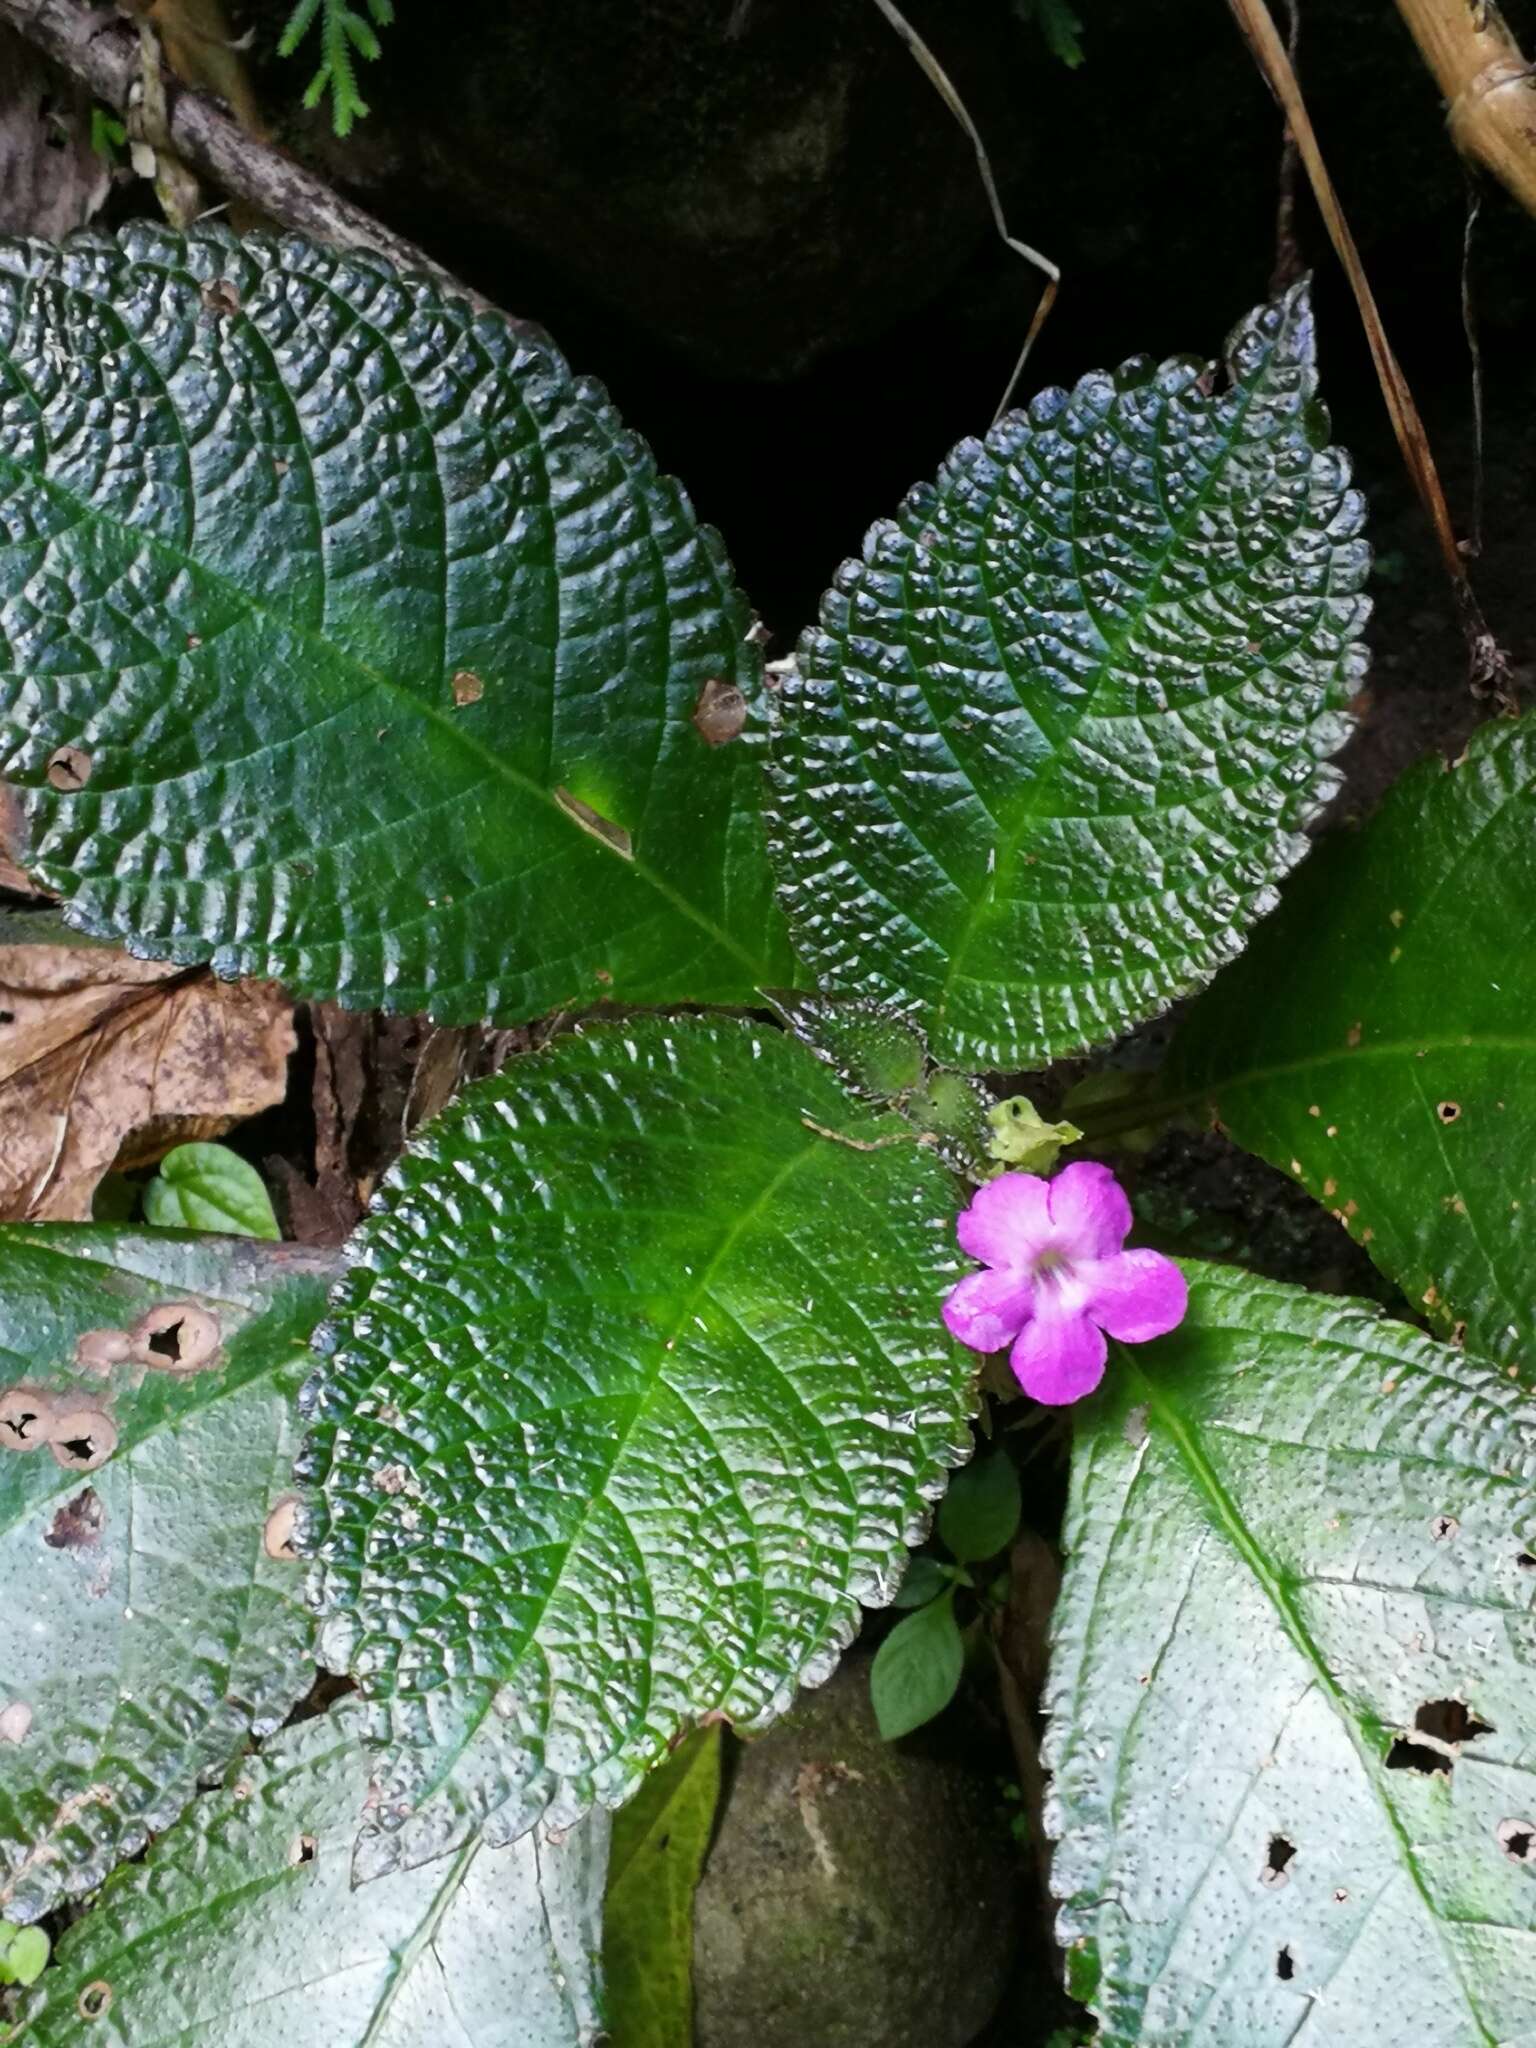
(108, 1061)
(51, 180)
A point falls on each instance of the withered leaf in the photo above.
(108, 1061)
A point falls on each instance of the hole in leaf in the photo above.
(1517, 1838)
(612, 836)
(278, 1535)
(1281, 1852)
(176, 1337)
(1447, 1111)
(79, 1523)
(23, 1418)
(69, 769)
(7, 1016)
(1526, 1561)
(1450, 1721)
(1285, 1966)
(1443, 1528)
(95, 2001)
(1417, 1756)
(82, 1438)
(301, 1850)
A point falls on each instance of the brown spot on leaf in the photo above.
(69, 769)
(15, 1721)
(220, 298)
(467, 688)
(720, 715)
(1447, 1111)
(277, 1537)
(611, 835)
(390, 1479)
(176, 1336)
(26, 1416)
(301, 1850)
(1352, 1035)
(79, 1523)
(100, 1350)
(95, 2001)
(82, 1439)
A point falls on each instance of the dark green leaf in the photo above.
(376, 639)
(208, 1187)
(1291, 1713)
(980, 1513)
(1379, 1042)
(926, 1579)
(1059, 730)
(659, 1841)
(871, 1052)
(146, 1630)
(241, 1927)
(637, 1390)
(916, 1669)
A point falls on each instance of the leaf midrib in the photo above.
(1224, 1514)
(446, 1757)
(1026, 808)
(254, 607)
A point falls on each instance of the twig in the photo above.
(1288, 264)
(1474, 546)
(939, 79)
(1489, 665)
(1490, 89)
(95, 45)
(867, 1144)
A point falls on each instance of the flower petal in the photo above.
(987, 1310)
(1089, 1210)
(1009, 1220)
(1059, 1358)
(1135, 1295)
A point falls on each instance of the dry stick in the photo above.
(95, 45)
(1490, 89)
(939, 79)
(1488, 663)
(1474, 546)
(1288, 264)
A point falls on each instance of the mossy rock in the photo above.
(859, 1894)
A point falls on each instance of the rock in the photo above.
(860, 1894)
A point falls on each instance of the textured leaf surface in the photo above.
(146, 1631)
(1379, 1041)
(637, 1390)
(377, 636)
(241, 1930)
(1291, 1696)
(659, 1841)
(1058, 730)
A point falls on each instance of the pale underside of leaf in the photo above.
(1057, 734)
(352, 607)
(637, 1390)
(1290, 1704)
(148, 1633)
(242, 1929)
(1379, 1042)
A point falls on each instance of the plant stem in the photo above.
(1489, 88)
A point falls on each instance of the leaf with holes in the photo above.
(146, 1434)
(637, 1389)
(1379, 1040)
(1292, 1726)
(347, 639)
(241, 1925)
(1057, 734)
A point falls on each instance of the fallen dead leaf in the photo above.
(51, 180)
(106, 1061)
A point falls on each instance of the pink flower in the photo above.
(1059, 1280)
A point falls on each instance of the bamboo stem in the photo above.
(1489, 88)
